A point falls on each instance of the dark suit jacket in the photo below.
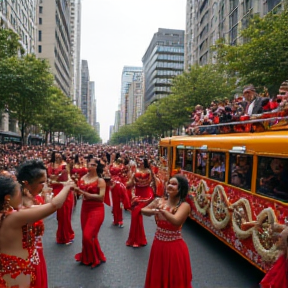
(259, 102)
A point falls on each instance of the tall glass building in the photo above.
(163, 60)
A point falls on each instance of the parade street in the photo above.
(213, 264)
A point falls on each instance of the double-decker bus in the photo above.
(239, 183)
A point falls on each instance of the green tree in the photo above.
(263, 57)
(9, 44)
(25, 84)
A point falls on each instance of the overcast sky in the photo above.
(116, 33)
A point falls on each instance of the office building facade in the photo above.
(163, 60)
(207, 21)
(128, 73)
(75, 19)
(85, 97)
(54, 41)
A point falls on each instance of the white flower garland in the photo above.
(219, 224)
(271, 254)
(241, 234)
(201, 189)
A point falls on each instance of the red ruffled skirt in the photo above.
(276, 277)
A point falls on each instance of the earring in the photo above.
(7, 207)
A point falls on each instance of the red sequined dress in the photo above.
(92, 217)
(65, 233)
(144, 195)
(169, 262)
(40, 269)
(14, 266)
(277, 276)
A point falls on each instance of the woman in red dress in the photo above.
(32, 176)
(19, 255)
(57, 173)
(78, 170)
(119, 172)
(92, 187)
(277, 276)
(143, 195)
(169, 263)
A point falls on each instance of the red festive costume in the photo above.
(65, 233)
(14, 266)
(118, 193)
(277, 276)
(76, 174)
(120, 173)
(40, 269)
(169, 262)
(143, 196)
(92, 217)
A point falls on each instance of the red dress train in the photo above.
(169, 262)
(65, 233)
(92, 217)
(276, 277)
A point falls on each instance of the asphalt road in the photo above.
(213, 264)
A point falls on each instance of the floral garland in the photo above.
(222, 211)
(268, 255)
(200, 196)
(241, 234)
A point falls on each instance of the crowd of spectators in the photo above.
(12, 155)
(247, 106)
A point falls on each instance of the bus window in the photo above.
(201, 162)
(217, 166)
(180, 158)
(241, 170)
(164, 151)
(272, 177)
(188, 160)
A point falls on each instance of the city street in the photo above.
(213, 264)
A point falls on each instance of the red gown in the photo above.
(169, 262)
(40, 269)
(92, 217)
(118, 192)
(14, 266)
(81, 171)
(65, 233)
(144, 195)
(119, 173)
(277, 276)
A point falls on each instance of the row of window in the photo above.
(272, 172)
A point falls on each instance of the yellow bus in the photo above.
(239, 186)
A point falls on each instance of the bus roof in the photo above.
(269, 142)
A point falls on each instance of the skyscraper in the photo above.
(128, 73)
(85, 97)
(163, 60)
(54, 41)
(75, 50)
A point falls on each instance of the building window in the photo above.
(39, 35)
(39, 48)
(40, 21)
(40, 9)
